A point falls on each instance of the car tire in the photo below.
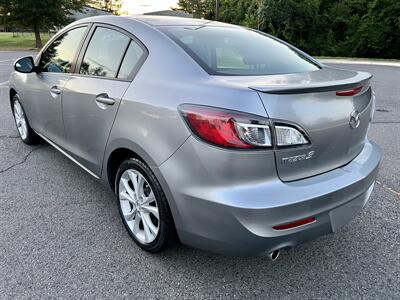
(28, 136)
(150, 224)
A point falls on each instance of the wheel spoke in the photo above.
(19, 110)
(23, 126)
(137, 182)
(151, 209)
(125, 196)
(128, 189)
(23, 132)
(134, 179)
(140, 186)
(136, 223)
(16, 110)
(149, 199)
(130, 215)
(147, 220)
(149, 229)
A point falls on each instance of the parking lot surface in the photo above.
(61, 234)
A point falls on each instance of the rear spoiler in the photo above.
(361, 79)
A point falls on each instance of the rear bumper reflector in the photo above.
(294, 224)
(348, 93)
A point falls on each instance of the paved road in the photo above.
(61, 235)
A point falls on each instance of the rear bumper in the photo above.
(238, 218)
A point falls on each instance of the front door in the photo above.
(44, 103)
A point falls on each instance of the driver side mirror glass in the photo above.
(25, 65)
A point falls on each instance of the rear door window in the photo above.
(104, 53)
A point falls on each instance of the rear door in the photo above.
(108, 63)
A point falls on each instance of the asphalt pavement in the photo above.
(61, 235)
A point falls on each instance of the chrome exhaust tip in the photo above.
(274, 255)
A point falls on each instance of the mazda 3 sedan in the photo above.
(230, 139)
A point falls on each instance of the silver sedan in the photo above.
(221, 136)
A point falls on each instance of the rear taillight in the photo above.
(254, 134)
(289, 136)
(227, 128)
(232, 129)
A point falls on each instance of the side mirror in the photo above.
(25, 65)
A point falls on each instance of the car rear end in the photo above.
(301, 168)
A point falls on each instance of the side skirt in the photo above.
(67, 155)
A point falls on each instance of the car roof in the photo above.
(167, 20)
(153, 21)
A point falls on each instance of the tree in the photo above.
(365, 28)
(378, 31)
(38, 14)
(112, 6)
(194, 7)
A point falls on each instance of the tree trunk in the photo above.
(37, 37)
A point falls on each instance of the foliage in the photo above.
(112, 6)
(38, 15)
(194, 7)
(364, 28)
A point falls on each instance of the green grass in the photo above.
(20, 41)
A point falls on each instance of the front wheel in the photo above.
(143, 206)
(25, 131)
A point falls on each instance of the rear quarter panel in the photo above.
(148, 121)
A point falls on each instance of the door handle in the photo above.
(55, 90)
(104, 99)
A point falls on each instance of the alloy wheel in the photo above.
(139, 206)
(20, 120)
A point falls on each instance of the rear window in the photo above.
(239, 51)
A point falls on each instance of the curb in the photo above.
(360, 62)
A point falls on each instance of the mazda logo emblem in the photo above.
(354, 119)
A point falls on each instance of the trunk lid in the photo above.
(309, 101)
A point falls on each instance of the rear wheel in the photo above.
(25, 131)
(143, 206)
